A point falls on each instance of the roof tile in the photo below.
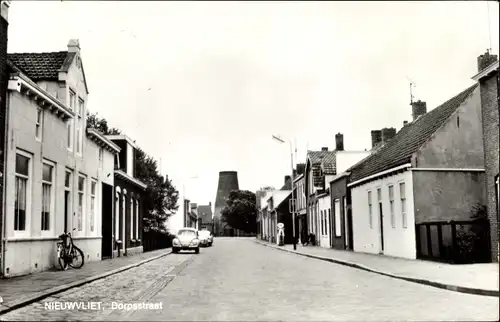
(408, 140)
(42, 66)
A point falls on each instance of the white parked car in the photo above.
(186, 239)
(206, 238)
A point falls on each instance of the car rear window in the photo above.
(186, 233)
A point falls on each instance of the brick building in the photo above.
(3, 93)
(488, 83)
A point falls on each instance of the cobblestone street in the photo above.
(240, 280)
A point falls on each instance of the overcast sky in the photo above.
(225, 76)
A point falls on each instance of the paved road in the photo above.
(238, 280)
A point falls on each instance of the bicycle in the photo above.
(68, 253)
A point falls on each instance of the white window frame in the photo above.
(117, 213)
(93, 212)
(101, 157)
(71, 123)
(137, 237)
(370, 208)
(403, 202)
(132, 237)
(81, 212)
(71, 201)
(80, 108)
(390, 189)
(27, 220)
(338, 222)
(39, 124)
(51, 230)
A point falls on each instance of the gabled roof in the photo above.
(408, 140)
(205, 213)
(43, 66)
(279, 196)
(325, 161)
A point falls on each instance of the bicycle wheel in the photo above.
(78, 258)
(63, 263)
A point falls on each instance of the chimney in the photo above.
(210, 204)
(376, 138)
(324, 148)
(418, 108)
(405, 123)
(388, 134)
(287, 178)
(74, 46)
(301, 168)
(485, 60)
(339, 142)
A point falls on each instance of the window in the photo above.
(67, 198)
(370, 209)
(117, 215)
(402, 195)
(497, 194)
(22, 185)
(72, 96)
(328, 221)
(338, 229)
(391, 205)
(132, 219)
(47, 181)
(69, 137)
(81, 198)
(79, 126)
(101, 157)
(93, 186)
(39, 127)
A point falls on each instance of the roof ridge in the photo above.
(410, 138)
(40, 53)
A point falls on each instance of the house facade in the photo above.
(324, 218)
(4, 79)
(279, 212)
(488, 83)
(322, 167)
(342, 231)
(431, 172)
(58, 176)
(205, 217)
(299, 186)
(125, 225)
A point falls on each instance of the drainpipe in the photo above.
(4, 175)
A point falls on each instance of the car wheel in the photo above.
(175, 250)
(197, 250)
(210, 245)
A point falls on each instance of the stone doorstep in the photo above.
(31, 298)
(450, 287)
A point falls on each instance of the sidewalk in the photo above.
(23, 290)
(481, 279)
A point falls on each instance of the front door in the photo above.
(107, 220)
(381, 219)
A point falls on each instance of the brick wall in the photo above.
(491, 138)
(3, 95)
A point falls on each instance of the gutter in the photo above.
(379, 174)
(4, 175)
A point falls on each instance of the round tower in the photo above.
(228, 181)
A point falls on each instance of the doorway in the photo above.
(381, 220)
(107, 220)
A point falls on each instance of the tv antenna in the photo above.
(412, 85)
(489, 24)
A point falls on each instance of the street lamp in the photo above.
(184, 200)
(293, 179)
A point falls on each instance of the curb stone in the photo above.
(449, 287)
(29, 299)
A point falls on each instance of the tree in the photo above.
(241, 211)
(161, 196)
